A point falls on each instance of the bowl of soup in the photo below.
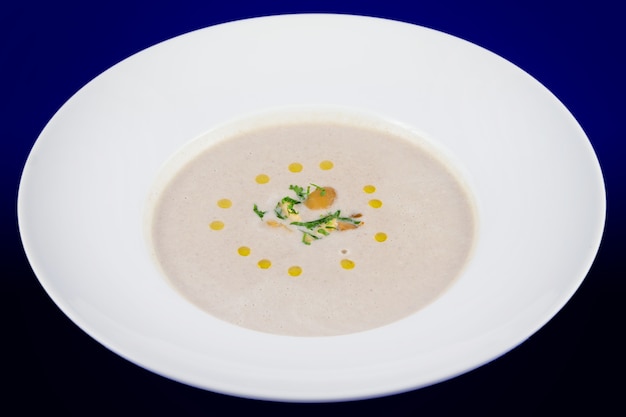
(267, 210)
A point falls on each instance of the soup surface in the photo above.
(313, 228)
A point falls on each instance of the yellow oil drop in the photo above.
(294, 271)
(326, 165)
(380, 237)
(216, 225)
(264, 263)
(295, 167)
(347, 264)
(375, 203)
(224, 203)
(262, 179)
(243, 251)
(369, 189)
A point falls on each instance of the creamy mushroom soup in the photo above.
(314, 228)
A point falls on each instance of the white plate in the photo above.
(536, 179)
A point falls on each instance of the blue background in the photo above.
(49, 50)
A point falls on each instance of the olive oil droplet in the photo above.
(224, 203)
(264, 263)
(347, 264)
(243, 251)
(216, 225)
(294, 271)
(375, 203)
(262, 179)
(380, 237)
(326, 165)
(295, 167)
(369, 189)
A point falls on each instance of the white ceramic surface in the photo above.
(537, 182)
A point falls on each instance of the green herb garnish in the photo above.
(300, 191)
(278, 210)
(322, 189)
(290, 202)
(307, 237)
(348, 220)
(314, 223)
(259, 212)
(313, 229)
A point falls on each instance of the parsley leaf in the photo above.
(259, 212)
